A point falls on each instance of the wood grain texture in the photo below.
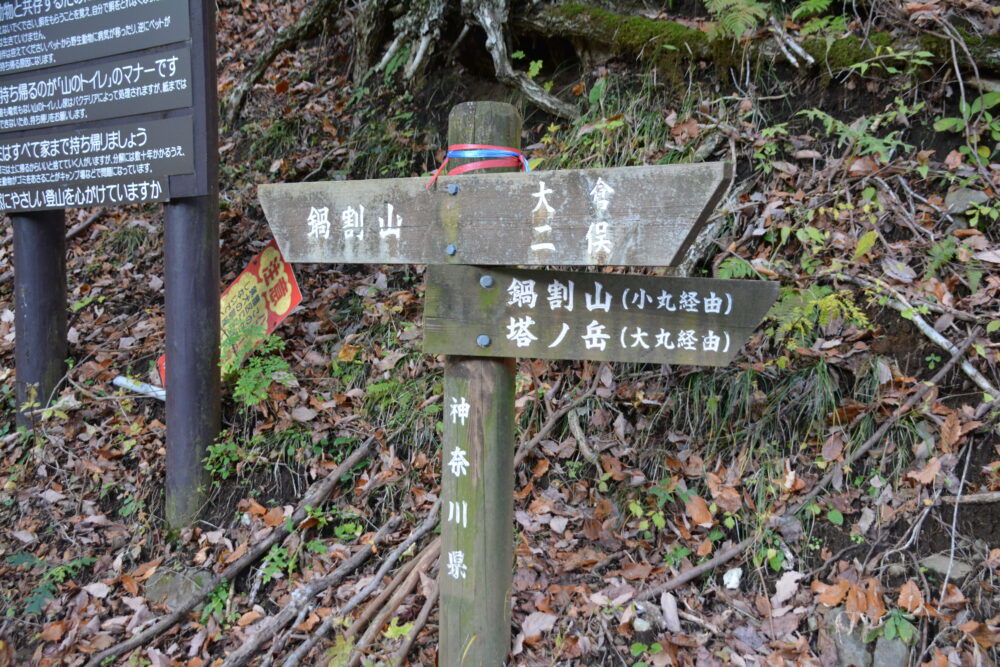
(477, 513)
(693, 321)
(628, 216)
(475, 602)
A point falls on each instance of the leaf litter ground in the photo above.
(650, 473)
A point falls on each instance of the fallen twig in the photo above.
(973, 498)
(739, 548)
(876, 437)
(302, 595)
(357, 653)
(400, 655)
(550, 423)
(899, 303)
(314, 497)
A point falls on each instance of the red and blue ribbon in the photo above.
(488, 157)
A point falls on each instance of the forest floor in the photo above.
(846, 503)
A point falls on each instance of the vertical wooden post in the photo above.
(477, 532)
(191, 261)
(39, 307)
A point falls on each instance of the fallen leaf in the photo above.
(274, 517)
(535, 624)
(898, 269)
(636, 570)
(697, 509)
(831, 595)
(129, 584)
(347, 353)
(927, 474)
(303, 414)
(910, 598)
(786, 587)
(951, 431)
(248, 618)
(98, 589)
(53, 632)
(953, 598)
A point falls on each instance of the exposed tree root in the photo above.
(308, 25)
(400, 655)
(492, 16)
(429, 523)
(386, 610)
(302, 596)
(313, 498)
(529, 446)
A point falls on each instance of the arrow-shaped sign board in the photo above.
(628, 216)
(502, 312)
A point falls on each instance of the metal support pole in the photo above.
(477, 532)
(39, 309)
(191, 258)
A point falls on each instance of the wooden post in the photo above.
(39, 308)
(191, 268)
(477, 533)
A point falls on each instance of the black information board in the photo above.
(43, 33)
(104, 102)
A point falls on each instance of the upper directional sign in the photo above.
(501, 312)
(633, 216)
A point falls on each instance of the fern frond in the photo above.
(810, 8)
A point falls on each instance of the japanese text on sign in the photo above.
(123, 164)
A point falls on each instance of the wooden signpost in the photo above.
(107, 104)
(482, 317)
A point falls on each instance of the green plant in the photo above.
(676, 555)
(898, 624)
(275, 563)
(735, 17)
(397, 631)
(265, 366)
(54, 575)
(223, 455)
(217, 604)
(798, 312)
(638, 648)
(860, 136)
(736, 267)
(890, 61)
(982, 212)
(811, 12)
(977, 123)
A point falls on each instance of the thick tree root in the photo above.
(302, 596)
(309, 25)
(492, 15)
(315, 497)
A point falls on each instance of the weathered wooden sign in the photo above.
(634, 216)
(502, 312)
(482, 317)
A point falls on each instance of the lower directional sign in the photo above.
(501, 312)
